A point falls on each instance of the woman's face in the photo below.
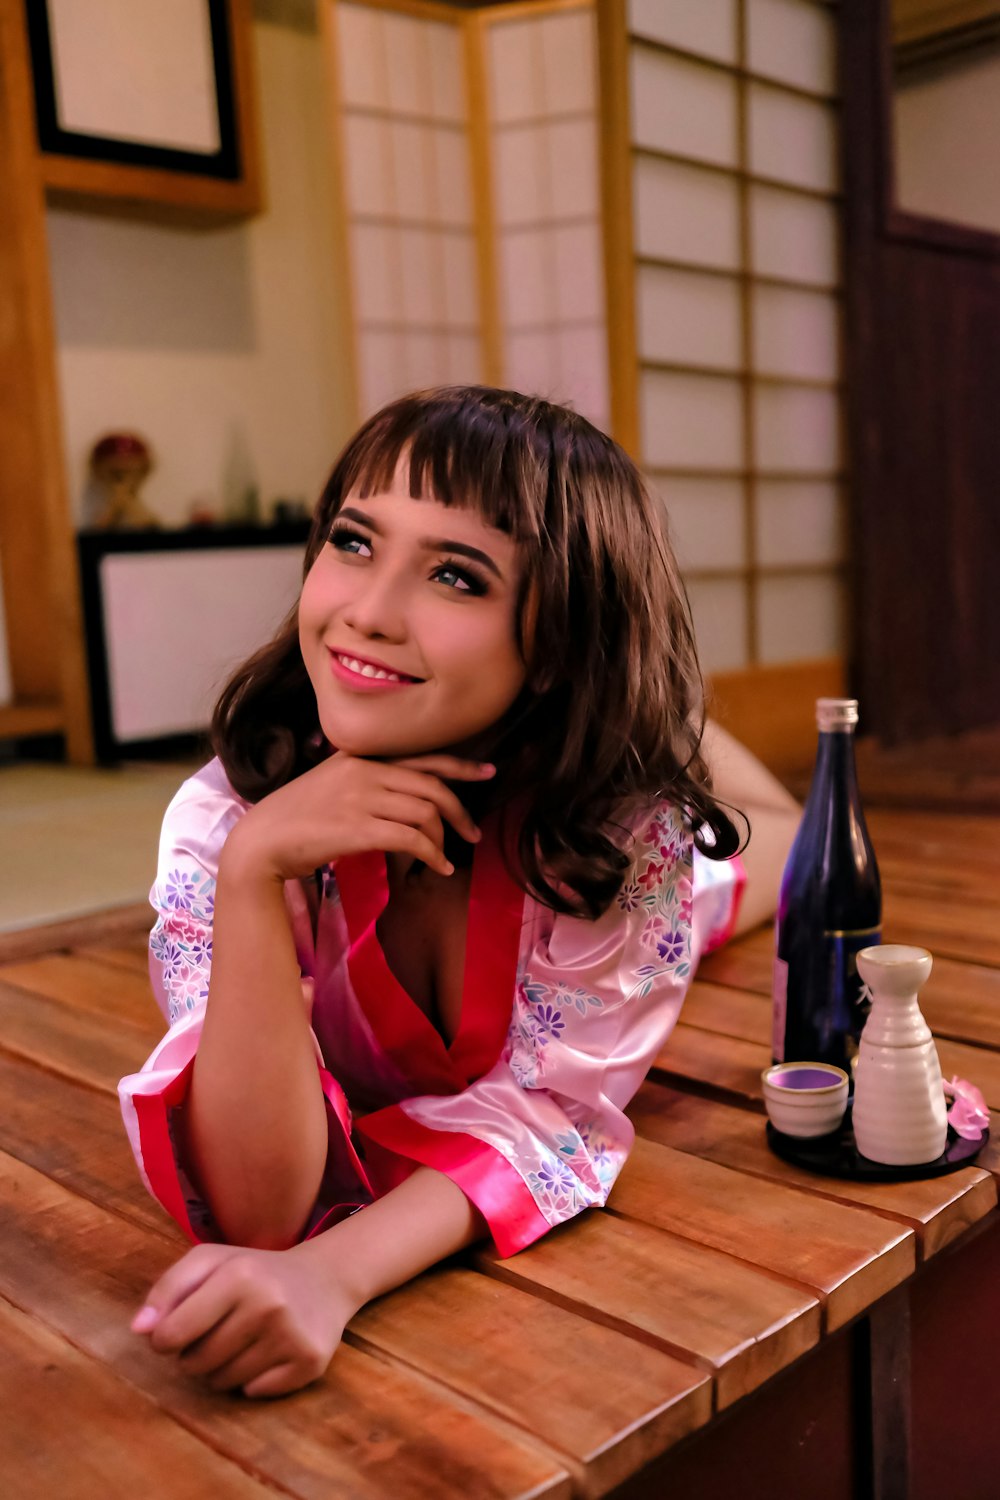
(407, 625)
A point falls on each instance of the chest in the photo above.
(422, 933)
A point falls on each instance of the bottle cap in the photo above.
(835, 715)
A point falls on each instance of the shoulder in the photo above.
(201, 815)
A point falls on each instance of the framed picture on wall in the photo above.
(146, 99)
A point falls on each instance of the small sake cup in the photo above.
(805, 1098)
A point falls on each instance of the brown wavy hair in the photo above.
(611, 716)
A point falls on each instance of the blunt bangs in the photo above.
(469, 446)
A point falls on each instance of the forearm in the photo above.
(738, 777)
(418, 1223)
(255, 1124)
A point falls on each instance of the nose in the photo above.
(377, 610)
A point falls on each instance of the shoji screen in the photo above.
(732, 157)
(401, 82)
(543, 123)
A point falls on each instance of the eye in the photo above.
(346, 539)
(463, 580)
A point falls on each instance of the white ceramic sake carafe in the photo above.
(900, 1112)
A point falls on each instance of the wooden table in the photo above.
(730, 1323)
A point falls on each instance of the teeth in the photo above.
(365, 669)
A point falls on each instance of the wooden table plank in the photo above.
(848, 1256)
(87, 984)
(75, 1043)
(720, 1064)
(604, 1404)
(127, 953)
(75, 1135)
(367, 1430)
(73, 1429)
(738, 1323)
(938, 1209)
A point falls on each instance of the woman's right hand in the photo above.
(348, 805)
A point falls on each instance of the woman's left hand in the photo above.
(266, 1320)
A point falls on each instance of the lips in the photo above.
(368, 669)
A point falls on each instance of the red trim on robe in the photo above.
(484, 1176)
(156, 1149)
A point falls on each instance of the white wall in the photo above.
(222, 347)
(947, 130)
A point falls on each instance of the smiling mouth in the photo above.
(359, 667)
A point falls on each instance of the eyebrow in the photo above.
(428, 543)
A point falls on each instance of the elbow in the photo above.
(255, 1233)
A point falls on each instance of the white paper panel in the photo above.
(581, 372)
(465, 360)
(684, 317)
(361, 52)
(167, 664)
(451, 193)
(521, 189)
(376, 273)
(798, 523)
(568, 44)
(369, 166)
(407, 57)
(720, 624)
(794, 237)
(460, 280)
(683, 107)
(517, 90)
(796, 429)
(708, 27)
(796, 333)
(794, 41)
(527, 276)
(574, 184)
(531, 363)
(381, 368)
(690, 421)
(792, 140)
(422, 276)
(579, 271)
(412, 158)
(136, 70)
(706, 521)
(425, 357)
(799, 618)
(686, 214)
(447, 76)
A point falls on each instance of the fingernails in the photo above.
(145, 1319)
(486, 769)
(476, 834)
(449, 868)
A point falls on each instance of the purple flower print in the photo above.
(180, 891)
(548, 1020)
(201, 952)
(556, 1178)
(172, 958)
(671, 947)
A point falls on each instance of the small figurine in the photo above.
(120, 462)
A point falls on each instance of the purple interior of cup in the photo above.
(805, 1078)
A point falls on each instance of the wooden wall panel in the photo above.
(922, 372)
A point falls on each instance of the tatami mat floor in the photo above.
(75, 840)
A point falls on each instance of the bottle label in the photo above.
(779, 991)
(844, 984)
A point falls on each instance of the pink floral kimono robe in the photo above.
(560, 1020)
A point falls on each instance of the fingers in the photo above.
(183, 1278)
(201, 1311)
(426, 788)
(403, 839)
(449, 767)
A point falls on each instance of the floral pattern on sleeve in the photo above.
(181, 940)
(557, 1019)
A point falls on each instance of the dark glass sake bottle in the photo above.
(830, 906)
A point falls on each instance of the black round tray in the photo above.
(836, 1155)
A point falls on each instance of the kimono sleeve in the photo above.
(543, 1134)
(195, 828)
